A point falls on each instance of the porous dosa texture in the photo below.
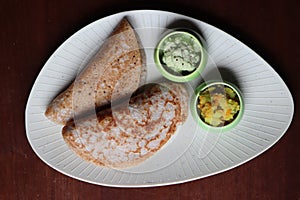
(127, 135)
(116, 70)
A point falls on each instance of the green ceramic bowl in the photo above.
(196, 111)
(185, 37)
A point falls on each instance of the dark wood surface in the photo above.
(30, 31)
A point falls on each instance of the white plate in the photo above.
(192, 154)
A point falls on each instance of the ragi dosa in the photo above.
(129, 134)
(116, 70)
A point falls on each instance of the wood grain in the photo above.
(32, 30)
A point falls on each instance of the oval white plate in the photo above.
(194, 153)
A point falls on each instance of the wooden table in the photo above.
(32, 30)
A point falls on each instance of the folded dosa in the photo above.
(117, 69)
(129, 134)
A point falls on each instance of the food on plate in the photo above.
(130, 133)
(180, 56)
(181, 53)
(117, 70)
(218, 105)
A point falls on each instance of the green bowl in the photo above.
(187, 36)
(195, 110)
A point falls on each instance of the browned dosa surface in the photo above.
(128, 135)
(115, 71)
